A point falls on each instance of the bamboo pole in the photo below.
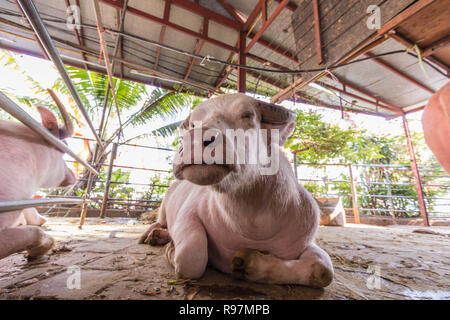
(95, 158)
(108, 180)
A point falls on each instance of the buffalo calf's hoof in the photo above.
(242, 261)
(158, 237)
(42, 246)
(321, 276)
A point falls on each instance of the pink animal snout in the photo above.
(201, 158)
(69, 178)
(199, 146)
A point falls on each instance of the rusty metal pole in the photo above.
(242, 61)
(108, 180)
(354, 195)
(317, 30)
(416, 174)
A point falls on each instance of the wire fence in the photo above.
(379, 189)
(130, 189)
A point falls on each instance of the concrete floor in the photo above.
(370, 262)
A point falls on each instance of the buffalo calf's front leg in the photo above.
(33, 217)
(29, 238)
(188, 250)
(313, 268)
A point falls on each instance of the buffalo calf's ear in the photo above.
(67, 129)
(49, 120)
(276, 117)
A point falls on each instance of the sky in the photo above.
(43, 72)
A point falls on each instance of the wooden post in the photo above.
(415, 171)
(108, 180)
(354, 195)
(89, 186)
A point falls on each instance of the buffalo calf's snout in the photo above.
(198, 142)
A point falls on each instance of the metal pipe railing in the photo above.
(13, 109)
(41, 32)
(6, 206)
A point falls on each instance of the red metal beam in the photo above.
(265, 25)
(266, 63)
(409, 44)
(317, 30)
(231, 11)
(399, 73)
(397, 110)
(264, 12)
(291, 5)
(415, 109)
(171, 25)
(404, 15)
(189, 32)
(436, 46)
(207, 13)
(120, 43)
(224, 75)
(237, 25)
(394, 107)
(198, 46)
(276, 49)
(163, 31)
(253, 15)
(79, 66)
(416, 174)
(242, 81)
(307, 99)
(222, 80)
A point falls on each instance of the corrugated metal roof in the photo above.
(279, 36)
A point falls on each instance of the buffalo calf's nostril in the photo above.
(208, 142)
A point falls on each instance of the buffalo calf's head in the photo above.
(61, 175)
(231, 139)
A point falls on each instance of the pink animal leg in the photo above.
(188, 250)
(30, 238)
(313, 268)
(33, 218)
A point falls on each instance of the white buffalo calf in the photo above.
(27, 163)
(247, 215)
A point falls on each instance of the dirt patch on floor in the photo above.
(370, 263)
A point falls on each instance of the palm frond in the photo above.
(161, 103)
(164, 132)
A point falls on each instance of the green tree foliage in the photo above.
(321, 142)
